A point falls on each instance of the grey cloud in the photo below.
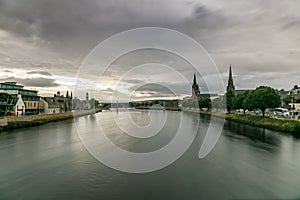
(251, 35)
(81, 25)
(291, 24)
(40, 72)
(34, 82)
(132, 81)
(163, 89)
(153, 87)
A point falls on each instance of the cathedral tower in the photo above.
(87, 96)
(195, 89)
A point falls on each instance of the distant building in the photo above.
(19, 106)
(295, 92)
(78, 104)
(87, 96)
(197, 95)
(59, 103)
(44, 106)
(29, 97)
(54, 108)
(294, 106)
(11, 105)
(154, 104)
(282, 93)
(230, 85)
(195, 90)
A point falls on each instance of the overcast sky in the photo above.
(44, 42)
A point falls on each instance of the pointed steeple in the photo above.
(195, 88)
(230, 80)
(67, 95)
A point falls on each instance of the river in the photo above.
(51, 162)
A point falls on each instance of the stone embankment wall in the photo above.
(33, 120)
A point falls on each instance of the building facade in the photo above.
(19, 107)
(78, 104)
(59, 103)
(295, 92)
(29, 97)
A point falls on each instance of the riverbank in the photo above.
(283, 125)
(35, 120)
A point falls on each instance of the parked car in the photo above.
(281, 112)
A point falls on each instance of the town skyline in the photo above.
(194, 86)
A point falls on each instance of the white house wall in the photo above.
(19, 107)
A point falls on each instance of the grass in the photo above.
(290, 126)
(282, 125)
(46, 119)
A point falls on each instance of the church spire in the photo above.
(230, 80)
(195, 89)
(230, 93)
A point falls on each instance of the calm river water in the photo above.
(50, 162)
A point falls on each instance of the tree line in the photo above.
(261, 98)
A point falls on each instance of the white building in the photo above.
(19, 106)
(54, 109)
(295, 105)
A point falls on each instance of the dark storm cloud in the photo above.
(80, 25)
(39, 82)
(33, 82)
(204, 19)
(8, 71)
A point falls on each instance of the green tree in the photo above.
(240, 101)
(248, 101)
(286, 100)
(94, 103)
(262, 98)
(205, 103)
(230, 99)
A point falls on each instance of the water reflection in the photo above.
(259, 137)
(247, 163)
(139, 145)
